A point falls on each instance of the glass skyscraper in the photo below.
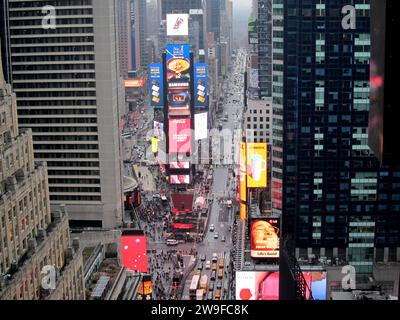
(335, 199)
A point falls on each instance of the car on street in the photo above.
(211, 286)
(203, 257)
(223, 239)
(209, 296)
(219, 284)
(216, 236)
(200, 266)
(212, 227)
(208, 264)
(213, 275)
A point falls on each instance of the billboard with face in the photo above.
(265, 238)
(256, 165)
(179, 135)
(178, 79)
(179, 179)
(133, 250)
(200, 85)
(156, 85)
(257, 285)
(179, 165)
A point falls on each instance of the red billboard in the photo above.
(179, 136)
(133, 250)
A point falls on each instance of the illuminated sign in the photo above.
(257, 285)
(177, 24)
(265, 238)
(154, 144)
(179, 165)
(180, 179)
(156, 85)
(133, 250)
(200, 85)
(178, 79)
(200, 126)
(256, 165)
(316, 281)
(179, 136)
(242, 172)
(145, 288)
(134, 83)
(158, 128)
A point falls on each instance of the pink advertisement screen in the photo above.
(179, 136)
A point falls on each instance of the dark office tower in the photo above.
(5, 41)
(335, 199)
(138, 22)
(264, 28)
(65, 79)
(124, 37)
(213, 10)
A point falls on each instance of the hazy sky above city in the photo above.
(241, 13)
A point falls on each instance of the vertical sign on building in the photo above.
(200, 85)
(156, 85)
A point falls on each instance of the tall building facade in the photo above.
(31, 237)
(335, 199)
(124, 37)
(264, 47)
(139, 30)
(66, 82)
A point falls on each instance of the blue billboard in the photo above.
(200, 85)
(156, 85)
(178, 79)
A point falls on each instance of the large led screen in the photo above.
(200, 126)
(179, 179)
(179, 136)
(256, 165)
(145, 289)
(257, 285)
(156, 85)
(133, 250)
(179, 165)
(317, 282)
(242, 172)
(178, 79)
(265, 238)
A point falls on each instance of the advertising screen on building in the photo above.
(179, 179)
(134, 83)
(133, 250)
(317, 282)
(145, 288)
(177, 24)
(257, 285)
(242, 172)
(200, 126)
(265, 238)
(158, 128)
(200, 85)
(179, 136)
(178, 79)
(156, 85)
(256, 165)
(179, 165)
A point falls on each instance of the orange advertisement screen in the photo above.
(134, 83)
(265, 238)
(256, 162)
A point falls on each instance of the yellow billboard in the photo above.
(154, 144)
(256, 163)
(242, 172)
(243, 212)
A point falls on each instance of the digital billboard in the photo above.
(179, 165)
(256, 165)
(178, 79)
(257, 285)
(154, 144)
(133, 83)
(179, 136)
(316, 280)
(133, 250)
(242, 172)
(156, 85)
(200, 126)
(179, 179)
(200, 85)
(145, 288)
(177, 24)
(265, 238)
(158, 128)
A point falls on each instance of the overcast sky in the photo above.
(241, 13)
